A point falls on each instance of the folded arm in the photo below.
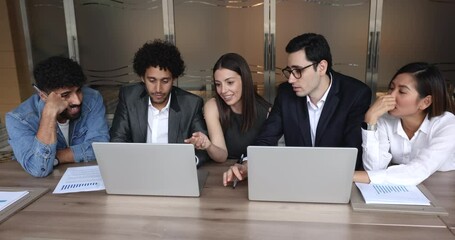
(35, 156)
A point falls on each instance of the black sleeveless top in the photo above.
(236, 140)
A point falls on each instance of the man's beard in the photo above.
(65, 115)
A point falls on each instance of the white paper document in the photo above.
(80, 179)
(8, 198)
(392, 194)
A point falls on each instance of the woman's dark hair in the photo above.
(315, 46)
(238, 64)
(160, 54)
(429, 81)
(58, 72)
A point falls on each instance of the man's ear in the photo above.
(425, 102)
(322, 67)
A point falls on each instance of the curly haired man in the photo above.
(155, 111)
(59, 123)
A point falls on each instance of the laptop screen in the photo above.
(300, 174)
(148, 169)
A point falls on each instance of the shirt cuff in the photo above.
(377, 177)
(45, 150)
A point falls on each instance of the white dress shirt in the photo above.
(157, 124)
(431, 149)
(314, 112)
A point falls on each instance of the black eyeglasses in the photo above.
(296, 72)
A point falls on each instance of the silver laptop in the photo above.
(149, 169)
(300, 174)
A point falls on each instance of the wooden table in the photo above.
(220, 213)
(442, 186)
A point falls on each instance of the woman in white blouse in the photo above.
(409, 133)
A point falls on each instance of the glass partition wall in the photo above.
(109, 33)
(345, 24)
(46, 28)
(369, 39)
(417, 30)
(205, 30)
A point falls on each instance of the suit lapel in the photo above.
(174, 118)
(142, 116)
(329, 109)
(303, 120)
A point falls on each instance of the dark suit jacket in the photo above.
(339, 124)
(130, 118)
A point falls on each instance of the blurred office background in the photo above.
(369, 39)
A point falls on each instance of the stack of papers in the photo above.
(392, 194)
(8, 198)
(80, 179)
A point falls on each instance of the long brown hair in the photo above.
(238, 64)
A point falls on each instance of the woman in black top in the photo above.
(236, 113)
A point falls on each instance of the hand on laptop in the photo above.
(199, 140)
(237, 171)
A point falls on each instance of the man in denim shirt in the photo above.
(55, 126)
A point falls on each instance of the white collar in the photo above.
(324, 97)
(165, 107)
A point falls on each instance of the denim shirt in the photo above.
(37, 158)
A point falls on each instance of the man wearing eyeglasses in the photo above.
(316, 107)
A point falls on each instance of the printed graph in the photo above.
(78, 185)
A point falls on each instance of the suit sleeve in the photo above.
(198, 125)
(272, 129)
(120, 130)
(352, 132)
(198, 122)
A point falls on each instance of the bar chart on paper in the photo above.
(392, 194)
(78, 185)
(80, 179)
(384, 189)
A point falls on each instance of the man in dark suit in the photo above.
(155, 111)
(316, 107)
